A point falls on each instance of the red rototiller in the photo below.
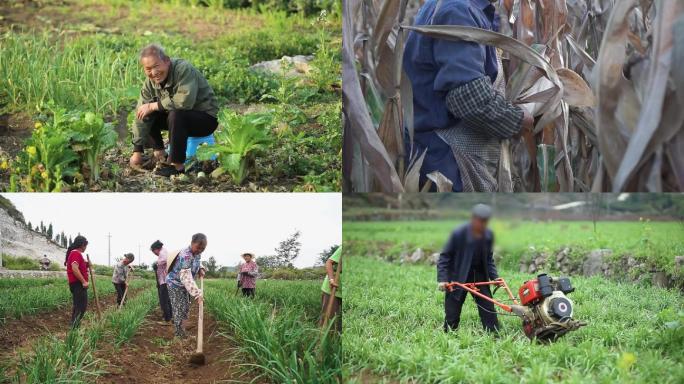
(545, 310)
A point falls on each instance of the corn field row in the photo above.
(600, 77)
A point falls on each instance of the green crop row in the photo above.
(654, 242)
(71, 360)
(15, 303)
(393, 329)
(278, 330)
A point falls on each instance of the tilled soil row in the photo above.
(153, 355)
(18, 334)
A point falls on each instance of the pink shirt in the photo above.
(161, 266)
(246, 280)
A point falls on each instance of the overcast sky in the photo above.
(233, 222)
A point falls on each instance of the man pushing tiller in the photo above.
(468, 257)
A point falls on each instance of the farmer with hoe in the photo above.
(77, 275)
(248, 275)
(460, 117)
(467, 258)
(176, 98)
(182, 268)
(120, 276)
(329, 282)
(162, 289)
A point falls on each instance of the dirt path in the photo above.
(17, 335)
(154, 356)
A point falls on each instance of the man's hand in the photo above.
(136, 159)
(201, 272)
(160, 154)
(85, 284)
(333, 283)
(145, 109)
(200, 299)
(527, 125)
(442, 286)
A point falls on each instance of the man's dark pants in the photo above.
(120, 289)
(164, 301)
(181, 124)
(79, 297)
(453, 306)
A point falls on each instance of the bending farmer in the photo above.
(176, 98)
(180, 280)
(467, 258)
(120, 276)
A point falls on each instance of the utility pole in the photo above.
(109, 249)
(139, 255)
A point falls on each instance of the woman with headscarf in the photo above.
(77, 275)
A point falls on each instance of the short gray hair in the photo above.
(199, 238)
(153, 50)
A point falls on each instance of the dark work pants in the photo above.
(336, 310)
(453, 305)
(181, 124)
(248, 292)
(120, 289)
(79, 297)
(164, 301)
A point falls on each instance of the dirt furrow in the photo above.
(155, 356)
(18, 334)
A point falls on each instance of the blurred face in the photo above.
(156, 69)
(156, 251)
(83, 248)
(479, 225)
(198, 247)
(126, 261)
(247, 258)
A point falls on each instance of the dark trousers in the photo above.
(336, 310)
(120, 289)
(453, 305)
(164, 301)
(248, 292)
(181, 125)
(79, 296)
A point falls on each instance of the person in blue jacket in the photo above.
(459, 118)
(466, 258)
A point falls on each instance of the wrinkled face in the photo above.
(479, 224)
(156, 69)
(198, 247)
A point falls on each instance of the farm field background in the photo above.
(654, 242)
(69, 80)
(274, 338)
(393, 333)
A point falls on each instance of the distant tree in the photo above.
(48, 232)
(288, 250)
(42, 227)
(70, 241)
(323, 256)
(268, 262)
(210, 266)
(29, 226)
(143, 266)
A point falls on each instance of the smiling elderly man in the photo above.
(175, 97)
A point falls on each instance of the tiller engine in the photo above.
(545, 310)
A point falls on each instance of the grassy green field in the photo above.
(69, 81)
(279, 330)
(393, 333)
(654, 242)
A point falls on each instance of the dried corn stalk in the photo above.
(618, 135)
